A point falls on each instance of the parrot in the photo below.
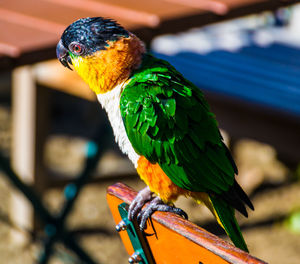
(160, 120)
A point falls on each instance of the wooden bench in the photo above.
(176, 240)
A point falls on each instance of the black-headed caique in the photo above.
(160, 120)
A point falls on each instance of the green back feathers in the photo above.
(168, 121)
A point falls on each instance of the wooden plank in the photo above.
(217, 7)
(49, 11)
(159, 8)
(23, 145)
(30, 21)
(120, 13)
(191, 243)
(238, 3)
(18, 38)
(33, 27)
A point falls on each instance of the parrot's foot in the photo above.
(157, 205)
(139, 201)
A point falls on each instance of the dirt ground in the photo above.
(265, 230)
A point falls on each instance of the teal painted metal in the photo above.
(133, 236)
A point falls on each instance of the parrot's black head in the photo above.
(101, 51)
(86, 36)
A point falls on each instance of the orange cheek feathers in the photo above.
(105, 69)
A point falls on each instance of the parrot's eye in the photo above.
(76, 48)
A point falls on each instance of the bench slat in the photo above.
(177, 240)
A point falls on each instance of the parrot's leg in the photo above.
(139, 201)
(157, 205)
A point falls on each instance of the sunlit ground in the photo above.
(265, 230)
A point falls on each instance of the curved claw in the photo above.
(144, 215)
(157, 205)
(139, 201)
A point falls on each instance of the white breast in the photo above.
(110, 101)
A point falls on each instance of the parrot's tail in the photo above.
(225, 216)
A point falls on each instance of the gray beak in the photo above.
(63, 55)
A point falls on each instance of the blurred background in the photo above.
(244, 55)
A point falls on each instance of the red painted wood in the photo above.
(161, 9)
(31, 28)
(47, 11)
(16, 39)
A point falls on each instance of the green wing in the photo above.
(168, 121)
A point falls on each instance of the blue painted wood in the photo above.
(267, 76)
(251, 66)
(285, 55)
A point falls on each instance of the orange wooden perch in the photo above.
(177, 240)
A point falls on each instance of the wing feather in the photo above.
(168, 121)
